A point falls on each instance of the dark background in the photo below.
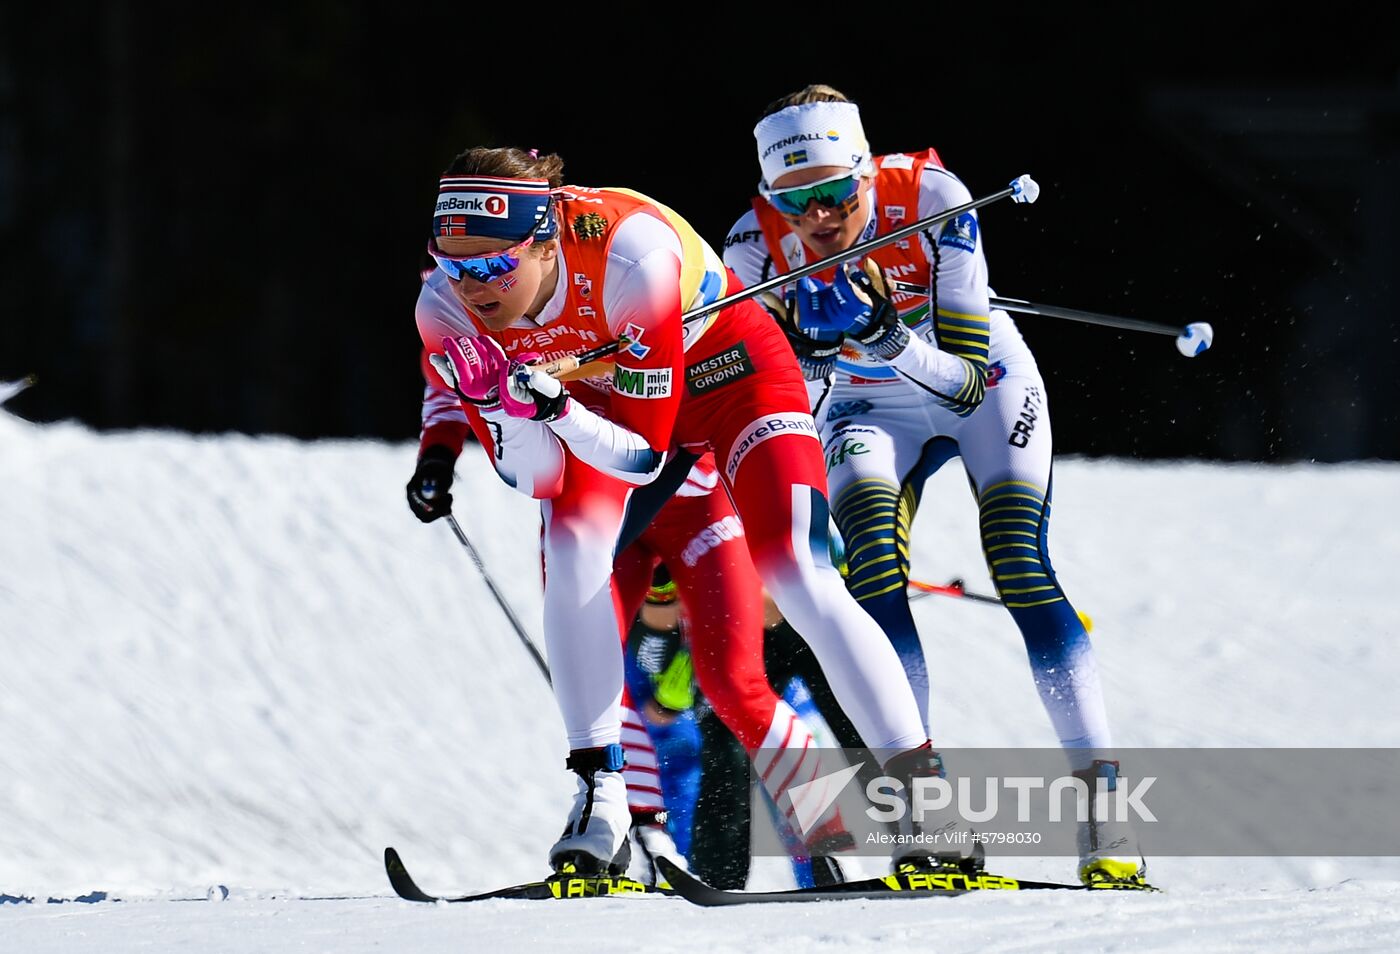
(214, 220)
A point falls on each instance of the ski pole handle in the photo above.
(573, 366)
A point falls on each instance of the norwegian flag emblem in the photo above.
(508, 282)
(452, 225)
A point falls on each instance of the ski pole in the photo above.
(1022, 189)
(955, 588)
(1191, 339)
(568, 366)
(1202, 336)
(501, 600)
(952, 588)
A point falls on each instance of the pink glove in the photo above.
(478, 365)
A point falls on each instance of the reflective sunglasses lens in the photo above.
(834, 193)
(829, 194)
(485, 269)
(449, 267)
(478, 269)
(787, 202)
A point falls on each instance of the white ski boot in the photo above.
(651, 839)
(594, 842)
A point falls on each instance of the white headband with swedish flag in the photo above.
(813, 134)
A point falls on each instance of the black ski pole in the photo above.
(1191, 339)
(501, 600)
(1023, 189)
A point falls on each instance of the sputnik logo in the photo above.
(810, 800)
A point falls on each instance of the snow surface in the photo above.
(240, 661)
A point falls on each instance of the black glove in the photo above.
(428, 495)
(816, 352)
(883, 335)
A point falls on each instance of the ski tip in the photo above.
(683, 883)
(400, 880)
(394, 865)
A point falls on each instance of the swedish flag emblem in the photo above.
(795, 158)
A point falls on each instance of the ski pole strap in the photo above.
(604, 758)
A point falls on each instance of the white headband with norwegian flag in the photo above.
(493, 207)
